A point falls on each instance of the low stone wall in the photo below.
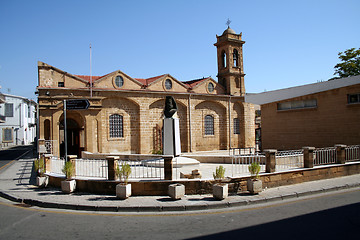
(198, 186)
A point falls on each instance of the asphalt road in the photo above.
(14, 153)
(330, 216)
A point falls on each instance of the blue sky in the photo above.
(288, 43)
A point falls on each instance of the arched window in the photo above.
(209, 125)
(223, 59)
(235, 58)
(236, 126)
(116, 126)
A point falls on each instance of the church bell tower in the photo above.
(230, 62)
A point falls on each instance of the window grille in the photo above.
(236, 126)
(116, 126)
(209, 125)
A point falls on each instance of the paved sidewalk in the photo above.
(17, 179)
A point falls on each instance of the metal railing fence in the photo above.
(95, 168)
(323, 156)
(352, 153)
(243, 151)
(57, 164)
(240, 163)
(146, 169)
(289, 159)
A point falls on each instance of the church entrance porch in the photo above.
(75, 137)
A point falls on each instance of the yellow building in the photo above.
(125, 113)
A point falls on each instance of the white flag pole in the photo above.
(90, 75)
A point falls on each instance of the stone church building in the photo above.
(125, 113)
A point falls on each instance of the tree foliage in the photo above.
(349, 65)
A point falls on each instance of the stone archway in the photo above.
(75, 134)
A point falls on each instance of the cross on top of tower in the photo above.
(228, 22)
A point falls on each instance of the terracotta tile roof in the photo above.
(148, 81)
(193, 83)
(87, 78)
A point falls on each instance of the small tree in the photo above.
(350, 65)
(254, 169)
(123, 172)
(219, 172)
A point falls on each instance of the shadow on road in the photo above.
(337, 223)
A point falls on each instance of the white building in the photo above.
(19, 121)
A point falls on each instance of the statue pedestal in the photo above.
(172, 144)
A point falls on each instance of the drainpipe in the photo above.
(229, 125)
(189, 109)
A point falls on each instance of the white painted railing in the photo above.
(352, 153)
(57, 164)
(94, 168)
(289, 159)
(240, 164)
(323, 156)
(145, 169)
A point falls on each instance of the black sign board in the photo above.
(77, 104)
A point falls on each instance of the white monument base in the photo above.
(172, 144)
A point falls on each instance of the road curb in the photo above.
(184, 207)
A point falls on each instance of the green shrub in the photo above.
(219, 172)
(39, 165)
(254, 169)
(68, 170)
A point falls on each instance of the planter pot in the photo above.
(220, 191)
(42, 181)
(68, 186)
(123, 191)
(254, 186)
(176, 191)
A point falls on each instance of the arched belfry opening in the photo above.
(235, 58)
(223, 59)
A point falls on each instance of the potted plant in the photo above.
(254, 184)
(220, 190)
(69, 184)
(123, 190)
(41, 180)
